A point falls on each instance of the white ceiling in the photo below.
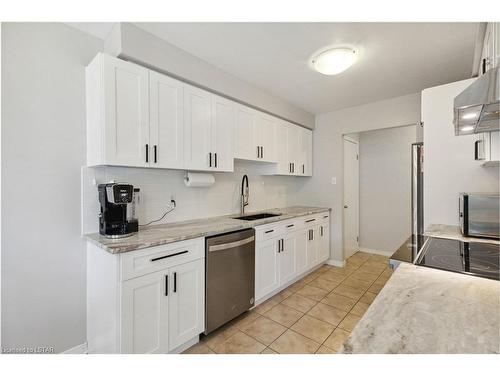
(395, 58)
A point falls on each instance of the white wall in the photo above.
(328, 152)
(43, 147)
(385, 187)
(132, 43)
(157, 186)
(449, 165)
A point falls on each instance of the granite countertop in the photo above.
(423, 310)
(161, 234)
(452, 232)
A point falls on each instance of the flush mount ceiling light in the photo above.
(334, 60)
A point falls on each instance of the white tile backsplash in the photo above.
(159, 185)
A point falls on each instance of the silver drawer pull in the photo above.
(269, 231)
(308, 221)
(290, 225)
(170, 255)
(230, 245)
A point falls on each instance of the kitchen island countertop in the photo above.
(183, 230)
(423, 310)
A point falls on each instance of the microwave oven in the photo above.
(479, 215)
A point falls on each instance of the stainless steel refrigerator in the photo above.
(417, 189)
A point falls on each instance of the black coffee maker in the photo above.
(113, 221)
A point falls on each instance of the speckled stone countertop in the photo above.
(183, 230)
(452, 232)
(423, 310)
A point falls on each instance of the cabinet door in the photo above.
(305, 153)
(186, 302)
(223, 124)
(245, 144)
(197, 129)
(324, 242)
(266, 137)
(287, 268)
(293, 151)
(266, 267)
(144, 314)
(126, 108)
(301, 251)
(281, 150)
(312, 246)
(166, 119)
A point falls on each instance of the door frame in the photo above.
(346, 138)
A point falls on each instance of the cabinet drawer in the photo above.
(325, 217)
(142, 262)
(266, 232)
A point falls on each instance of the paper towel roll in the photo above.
(198, 179)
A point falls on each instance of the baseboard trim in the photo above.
(377, 252)
(336, 263)
(79, 349)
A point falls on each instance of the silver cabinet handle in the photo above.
(230, 245)
(215, 160)
(209, 159)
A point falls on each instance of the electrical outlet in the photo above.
(334, 180)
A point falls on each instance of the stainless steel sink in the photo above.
(256, 216)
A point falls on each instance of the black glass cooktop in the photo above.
(472, 258)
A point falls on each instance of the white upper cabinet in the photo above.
(223, 120)
(117, 112)
(197, 128)
(137, 117)
(166, 121)
(490, 54)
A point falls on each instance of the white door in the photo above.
(281, 154)
(197, 129)
(166, 119)
(324, 241)
(351, 197)
(144, 314)
(312, 246)
(186, 302)
(245, 146)
(301, 251)
(293, 150)
(266, 267)
(223, 123)
(267, 140)
(287, 269)
(126, 113)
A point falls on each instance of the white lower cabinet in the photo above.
(146, 309)
(293, 250)
(266, 267)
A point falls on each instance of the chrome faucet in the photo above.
(245, 193)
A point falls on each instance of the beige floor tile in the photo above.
(333, 276)
(327, 313)
(355, 262)
(375, 268)
(360, 308)
(284, 315)
(324, 284)
(245, 319)
(199, 348)
(361, 275)
(349, 291)
(298, 302)
(239, 343)
(375, 258)
(220, 335)
(338, 301)
(325, 350)
(336, 339)
(308, 278)
(296, 286)
(376, 287)
(312, 292)
(268, 351)
(361, 255)
(264, 330)
(313, 328)
(349, 322)
(357, 283)
(266, 306)
(368, 297)
(293, 343)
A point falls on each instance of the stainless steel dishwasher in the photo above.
(230, 277)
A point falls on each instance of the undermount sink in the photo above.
(256, 216)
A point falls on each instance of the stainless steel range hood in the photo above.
(477, 108)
